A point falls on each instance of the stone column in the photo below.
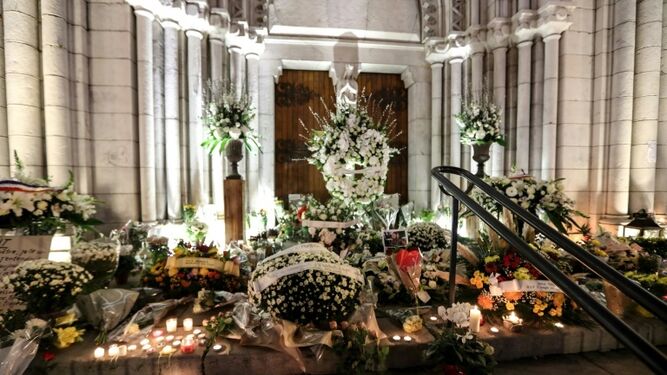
(158, 112)
(455, 98)
(55, 69)
(195, 126)
(252, 61)
(620, 129)
(237, 75)
(550, 106)
(269, 73)
(146, 122)
(172, 122)
(436, 128)
(217, 49)
(536, 109)
(646, 104)
(4, 146)
(524, 22)
(498, 39)
(22, 78)
(661, 166)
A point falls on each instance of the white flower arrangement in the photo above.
(46, 286)
(427, 236)
(99, 257)
(352, 151)
(536, 196)
(479, 123)
(331, 224)
(227, 117)
(458, 313)
(306, 284)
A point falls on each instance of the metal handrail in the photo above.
(648, 353)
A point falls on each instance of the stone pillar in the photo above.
(620, 129)
(661, 166)
(550, 106)
(436, 128)
(455, 97)
(498, 40)
(146, 122)
(269, 73)
(158, 112)
(22, 78)
(4, 146)
(217, 49)
(645, 106)
(195, 126)
(252, 61)
(524, 22)
(536, 109)
(55, 68)
(172, 122)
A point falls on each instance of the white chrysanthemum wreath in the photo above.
(352, 151)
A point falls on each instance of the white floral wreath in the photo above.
(352, 152)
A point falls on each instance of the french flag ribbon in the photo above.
(13, 185)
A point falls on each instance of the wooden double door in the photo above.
(299, 92)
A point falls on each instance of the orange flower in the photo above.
(540, 294)
(513, 296)
(559, 299)
(485, 301)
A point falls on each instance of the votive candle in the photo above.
(187, 324)
(407, 338)
(187, 345)
(172, 324)
(99, 353)
(169, 338)
(475, 319)
(494, 330)
(196, 331)
(217, 347)
(131, 348)
(122, 350)
(114, 351)
(145, 342)
(396, 338)
(157, 332)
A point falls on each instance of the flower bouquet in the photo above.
(227, 117)
(306, 284)
(457, 348)
(47, 287)
(479, 123)
(192, 267)
(99, 258)
(427, 236)
(352, 151)
(408, 264)
(333, 224)
(131, 237)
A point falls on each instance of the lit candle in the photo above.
(187, 345)
(169, 338)
(172, 324)
(99, 353)
(167, 350)
(396, 338)
(187, 324)
(407, 338)
(559, 325)
(475, 319)
(433, 318)
(176, 343)
(145, 342)
(217, 347)
(157, 333)
(201, 336)
(512, 322)
(494, 330)
(147, 348)
(114, 351)
(131, 348)
(196, 331)
(159, 339)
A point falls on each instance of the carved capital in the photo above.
(219, 20)
(454, 47)
(555, 17)
(498, 33)
(524, 25)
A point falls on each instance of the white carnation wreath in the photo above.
(352, 151)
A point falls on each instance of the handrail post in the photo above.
(452, 254)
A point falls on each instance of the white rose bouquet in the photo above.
(46, 287)
(479, 122)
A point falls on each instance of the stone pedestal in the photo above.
(234, 191)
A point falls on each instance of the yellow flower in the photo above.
(67, 336)
(556, 312)
(522, 273)
(509, 306)
(478, 279)
(203, 272)
(491, 259)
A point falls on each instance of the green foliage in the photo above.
(456, 346)
(656, 246)
(359, 351)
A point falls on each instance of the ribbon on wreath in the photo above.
(227, 267)
(498, 288)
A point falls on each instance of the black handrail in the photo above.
(649, 354)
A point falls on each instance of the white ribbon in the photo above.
(338, 269)
(328, 224)
(308, 247)
(498, 288)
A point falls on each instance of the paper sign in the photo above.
(13, 251)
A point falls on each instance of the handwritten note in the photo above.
(13, 251)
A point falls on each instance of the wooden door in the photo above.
(300, 91)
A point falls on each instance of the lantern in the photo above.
(642, 225)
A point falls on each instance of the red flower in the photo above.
(408, 258)
(300, 212)
(48, 356)
(491, 268)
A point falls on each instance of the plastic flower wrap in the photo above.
(47, 287)
(99, 258)
(427, 236)
(306, 284)
(352, 151)
(106, 308)
(408, 263)
(14, 360)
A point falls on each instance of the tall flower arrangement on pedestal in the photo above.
(227, 117)
(479, 123)
(352, 151)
